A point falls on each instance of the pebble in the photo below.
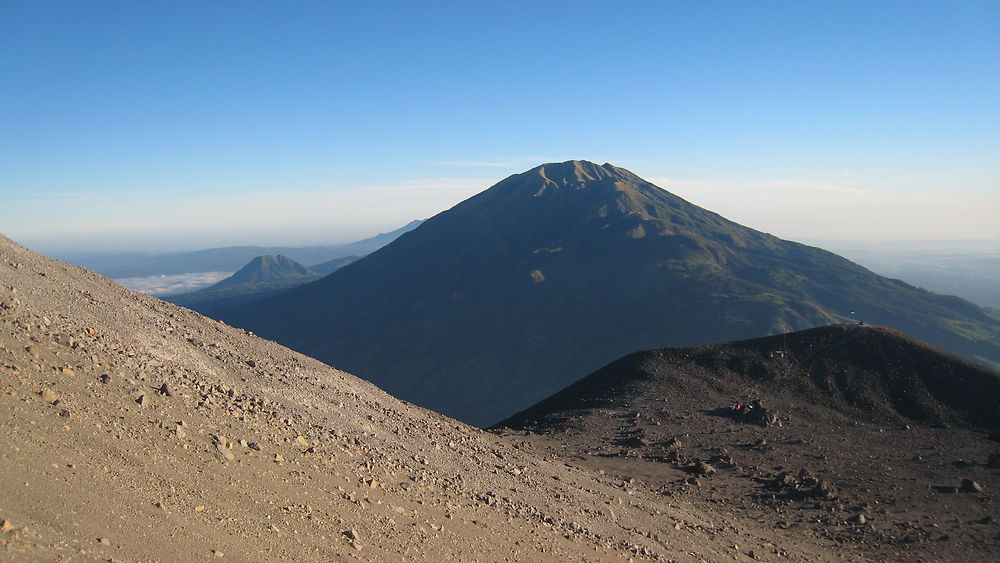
(165, 390)
(970, 486)
(49, 396)
(68, 371)
(225, 452)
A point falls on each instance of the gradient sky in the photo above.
(182, 125)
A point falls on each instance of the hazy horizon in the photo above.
(136, 126)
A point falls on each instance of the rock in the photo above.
(140, 400)
(225, 452)
(703, 469)
(857, 519)
(353, 534)
(68, 371)
(784, 480)
(302, 441)
(6, 526)
(105, 378)
(104, 541)
(165, 390)
(970, 486)
(49, 396)
(33, 351)
(823, 489)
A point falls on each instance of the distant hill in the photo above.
(226, 259)
(261, 277)
(530, 285)
(268, 269)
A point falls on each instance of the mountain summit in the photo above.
(267, 269)
(515, 293)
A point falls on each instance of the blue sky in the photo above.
(171, 125)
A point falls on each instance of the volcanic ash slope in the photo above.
(136, 430)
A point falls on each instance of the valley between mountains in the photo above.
(573, 365)
(135, 430)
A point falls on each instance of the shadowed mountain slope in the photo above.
(524, 288)
(137, 430)
(865, 372)
(861, 434)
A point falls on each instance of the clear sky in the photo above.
(182, 125)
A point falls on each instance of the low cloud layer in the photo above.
(170, 285)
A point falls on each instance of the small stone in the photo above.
(140, 400)
(218, 553)
(104, 541)
(49, 396)
(970, 486)
(225, 452)
(352, 534)
(857, 519)
(105, 378)
(91, 331)
(302, 441)
(6, 526)
(165, 390)
(68, 371)
(199, 508)
(703, 469)
(33, 351)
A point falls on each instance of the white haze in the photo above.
(169, 285)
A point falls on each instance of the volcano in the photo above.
(519, 291)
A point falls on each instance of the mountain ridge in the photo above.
(521, 289)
